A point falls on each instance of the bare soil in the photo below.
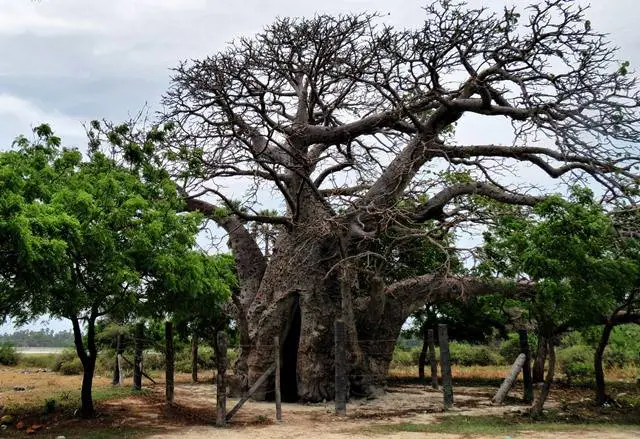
(194, 412)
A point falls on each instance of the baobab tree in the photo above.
(348, 125)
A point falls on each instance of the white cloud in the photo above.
(28, 17)
(19, 116)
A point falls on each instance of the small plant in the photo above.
(50, 405)
(576, 363)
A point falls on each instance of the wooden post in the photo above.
(276, 344)
(445, 366)
(221, 389)
(120, 360)
(137, 361)
(169, 359)
(341, 368)
(432, 358)
(194, 357)
(507, 384)
(116, 366)
(251, 391)
(422, 359)
(526, 368)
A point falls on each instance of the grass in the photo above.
(65, 390)
(494, 425)
(96, 432)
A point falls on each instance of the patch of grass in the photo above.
(495, 425)
(68, 400)
(88, 432)
(39, 361)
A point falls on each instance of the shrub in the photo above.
(8, 355)
(510, 349)
(64, 362)
(153, 360)
(73, 367)
(473, 355)
(402, 358)
(576, 363)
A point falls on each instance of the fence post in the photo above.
(526, 369)
(507, 384)
(221, 389)
(432, 358)
(118, 373)
(341, 368)
(169, 359)
(276, 343)
(445, 366)
(137, 361)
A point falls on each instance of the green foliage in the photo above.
(73, 367)
(624, 346)
(578, 281)
(466, 354)
(8, 355)
(67, 356)
(404, 358)
(510, 348)
(576, 363)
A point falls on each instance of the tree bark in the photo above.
(541, 358)
(116, 365)
(526, 369)
(601, 393)
(538, 404)
(88, 360)
(169, 362)
(194, 358)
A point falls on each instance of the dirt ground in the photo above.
(194, 412)
(400, 404)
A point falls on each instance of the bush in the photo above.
(402, 358)
(73, 367)
(8, 355)
(576, 363)
(510, 349)
(465, 354)
(67, 362)
(153, 360)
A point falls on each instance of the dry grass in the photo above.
(627, 374)
(461, 372)
(40, 386)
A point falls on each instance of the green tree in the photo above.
(84, 238)
(568, 248)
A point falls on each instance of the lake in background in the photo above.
(30, 351)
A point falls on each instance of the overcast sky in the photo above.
(69, 61)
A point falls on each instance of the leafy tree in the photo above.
(84, 239)
(568, 248)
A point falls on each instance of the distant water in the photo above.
(31, 351)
